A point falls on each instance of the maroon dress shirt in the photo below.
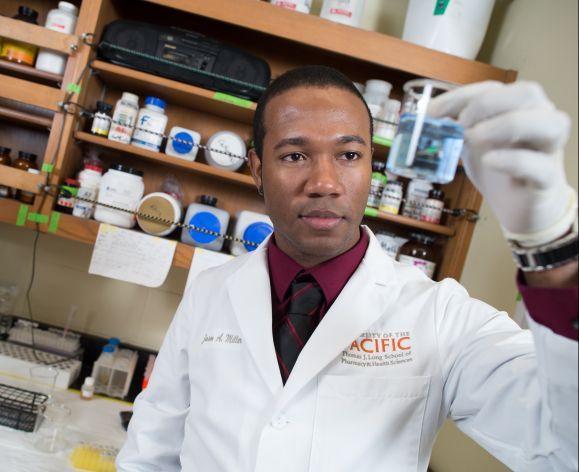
(331, 275)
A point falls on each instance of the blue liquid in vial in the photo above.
(437, 154)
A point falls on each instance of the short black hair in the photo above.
(305, 76)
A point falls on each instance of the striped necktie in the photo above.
(305, 302)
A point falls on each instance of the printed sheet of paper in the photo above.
(204, 259)
(134, 257)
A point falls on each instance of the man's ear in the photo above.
(255, 166)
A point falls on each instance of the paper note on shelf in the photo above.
(204, 259)
(133, 257)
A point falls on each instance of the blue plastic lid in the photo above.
(156, 102)
(109, 348)
(256, 233)
(204, 220)
(183, 147)
(114, 341)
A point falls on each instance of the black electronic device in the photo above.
(185, 56)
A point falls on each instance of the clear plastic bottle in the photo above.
(61, 19)
(150, 125)
(124, 118)
(102, 369)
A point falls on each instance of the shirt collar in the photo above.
(331, 275)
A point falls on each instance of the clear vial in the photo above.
(424, 147)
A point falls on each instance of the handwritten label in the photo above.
(222, 338)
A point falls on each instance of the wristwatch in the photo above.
(547, 256)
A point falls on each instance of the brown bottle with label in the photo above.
(5, 161)
(25, 161)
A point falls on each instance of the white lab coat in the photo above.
(394, 356)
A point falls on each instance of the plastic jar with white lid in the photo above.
(226, 150)
(162, 206)
(252, 228)
(124, 117)
(211, 222)
(61, 19)
(122, 187)
(303, 6)
(150, 125)
(347, 12)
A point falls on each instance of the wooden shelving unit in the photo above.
(411, 223)
(28, 72)
(196, 167)
(31, 119)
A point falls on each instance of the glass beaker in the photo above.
(43, 380)
(425, 148)
(51, 435)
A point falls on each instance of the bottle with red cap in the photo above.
(90, 180)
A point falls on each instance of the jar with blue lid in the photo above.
(150, 125)
(208, 222)
(252, 228)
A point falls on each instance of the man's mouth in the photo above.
(321, 220)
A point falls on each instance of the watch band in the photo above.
(548, 256)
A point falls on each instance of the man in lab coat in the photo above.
(239, 386)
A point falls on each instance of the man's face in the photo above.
(315, 171)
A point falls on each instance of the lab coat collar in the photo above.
(362, 301)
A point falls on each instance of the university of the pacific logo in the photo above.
(379, 349)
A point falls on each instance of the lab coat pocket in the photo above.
(368, 423)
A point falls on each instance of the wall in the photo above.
(537, 38)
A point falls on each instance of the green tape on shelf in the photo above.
(37, 218)
(54, 220)
(370, 211)
(382, 141)
(73, 88)
(22, 212)
(48, 168)
(240, 102)
(440, 8)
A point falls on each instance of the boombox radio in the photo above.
(185, 56)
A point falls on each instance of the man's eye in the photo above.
(293, 157)
(350, 156)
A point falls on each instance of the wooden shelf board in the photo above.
(9, 209)
(172, 91)
(197, 167)
(25, 118)
(412, 223)
(17, 178)
(28, 71)
(31, 93)
(351, 42)
(38, 35)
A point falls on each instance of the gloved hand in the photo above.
(513, 154)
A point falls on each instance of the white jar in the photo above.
(416, 195)
(163, 206)
(347, 12)
(61, 19)
(376, 94)
(220, 146)
(183, 143)
(303, 6)
(150, 125)
(124, 118)
(122, 187)
(89, 178)
(391, 197)
(207, 216)
(387, 127)
(251, 227)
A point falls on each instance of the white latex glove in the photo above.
(513, 154)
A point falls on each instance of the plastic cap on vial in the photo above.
(130, 97)
(89, 381)
(109, 348)
(208, 200)
(68, 7)
(156, 102)
(114, 341)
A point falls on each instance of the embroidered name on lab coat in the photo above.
(221, 338)
(379, 349)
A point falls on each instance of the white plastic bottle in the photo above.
(183, 143)
(205, 215)
(251, 227)
(150, 125)
(416, 195)
(225, 150)
(390, 119)
(90, 179)
(61, 19)
(122, 187)
(347, 12)
(376, 95)
(124, 118)
(87, 389)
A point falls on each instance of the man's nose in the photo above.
(324, 178)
